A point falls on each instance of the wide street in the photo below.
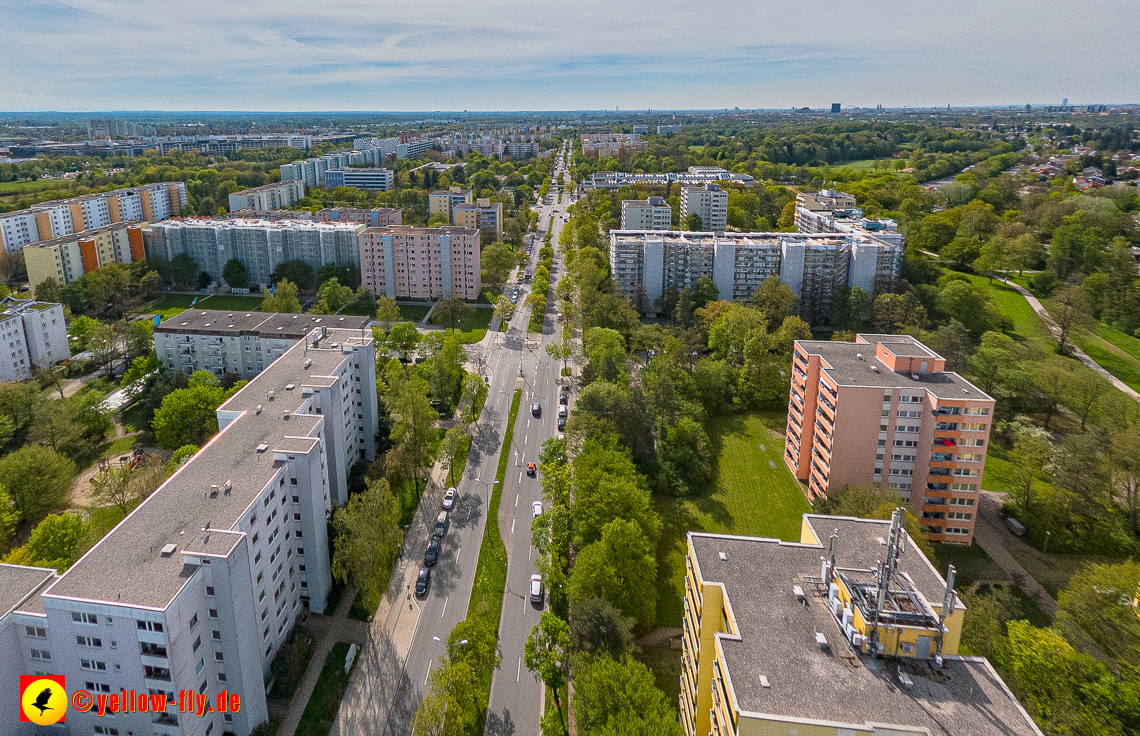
(387, 686)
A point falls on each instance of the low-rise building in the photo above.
(708, 202)
(830, 211)
(482, 214)
(653, 213)
(378, 217)
(372, 178)
(66, 258)
(198, 588)
(242, 343)
(814, 266)
(36, 333)
(421, 262)
(441, 202)
(927, 443)
(837, 634)
(604, 145)
(276, 196)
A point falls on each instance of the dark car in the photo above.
(422, 581)
(441, 523)
(561, 423)
(536, 409)
(531, 470)
(564, 399)
(432, 555)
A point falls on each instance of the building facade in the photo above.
(302, 215)
(799, 638)
(47, 220)
(653, 213)
(695, 176)
(276, 196)
(260, 245)
(816, 267)
(36, 335)
(373, 178)
(66, 258)
(482, 214)
(708, 202)
(378, 217)
(421, 262)
(234, 342)
(604, 145)
(200, 585)
(829, 211)
(442, 202)
(884, 410)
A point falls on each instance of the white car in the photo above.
(536, 508)
(449, 498)
(536, 595)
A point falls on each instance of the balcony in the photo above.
(942, 472)
(946, 426)
(942, 457)
(937, 486)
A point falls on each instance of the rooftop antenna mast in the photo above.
(949, 600)
(886, 570)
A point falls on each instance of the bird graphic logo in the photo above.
(43, 699)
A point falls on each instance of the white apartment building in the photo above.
(18, 229)
(653, 213)
(67, 258)
(604, 145)
(373, 178)
(421, 262)
(695, 176)
(709, 202)
(829, 211)
(31, 333)
(664, 129)
(259, 244)
(235, 342)
(278, 195)
(199, 586)
(814, 266)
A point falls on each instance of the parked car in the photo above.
(441, 523)
(536, 509)
(536, 595)
(564, 399)
(531, 470)
(561, 423)
(422, 581)
(431, 556)
(562, 410)
(536, 409)
(449, 498)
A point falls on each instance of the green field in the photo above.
(232, 302)
(1027, 326)
(413, 314)
(752, 493)
(172, 304)
(25, 187)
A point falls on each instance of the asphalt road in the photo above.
(517, 699)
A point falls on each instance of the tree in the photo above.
(451, 312)
(413, 418)
(687, 453)
(104, 344)
(404, 337)
(188, 416)
(620, 697)
(387, 313)
(705, 292)
(1070, 309)
(692, 222)
(296, 272)
(1085, 392)
(49, 290)
(125, 487)
(1052, 380)
(597, 627)
(775, 300)
(56, 426)
(452, 446)
(9, 515)
(138, 338)
(546, 654)
(284, 300)
(56, 541)
(1100, 600)
(347, 275)
(235, 274)
(368, 540)
(183, 269)
(1027, 461)
(605, 351)
(37, 478)
(620, 567)
(504, 310)
(496, 260)
(332, 297)
(993, 257)
(962, 251)
(180, 456)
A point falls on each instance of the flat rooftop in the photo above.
(263, 324)
(679, 237)
(18, 583)
(840, 685)
(176, 514)
(847, 369)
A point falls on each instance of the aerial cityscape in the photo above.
(275, 362)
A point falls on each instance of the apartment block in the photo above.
(838, 634)
(413, 147)
(375, 179)
(54, 219)
(260, 245)
(36, 335)
(709, 202)
(666, 129)
(234, 342)
(442, 202)
(276, 196)
(303, 215)
(66, 258)
(604, 145)
(927, 442)
(421, 262)
(830, 211)
(653, 213)
(200, 585)
(694, 176)
(482, 214)
(378, 217)
(814, 266)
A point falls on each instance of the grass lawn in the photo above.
(752, 493)
(866, 164)
(971, 563)
(1122, 340)
(38, 185)
(1027, 326)
(103, 519)
(172, 304)
(413, 314)
(317, 720)
(1054, 571)
(232, 302)
(1111, 358)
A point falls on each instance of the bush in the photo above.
(1043, 283)
(288, 668)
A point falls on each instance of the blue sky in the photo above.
(587, 54)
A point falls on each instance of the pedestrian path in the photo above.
(991, 535)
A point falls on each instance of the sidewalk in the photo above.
(1053, 328)
(991, 535)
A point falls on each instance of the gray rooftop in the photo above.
(177, 514)
(847, 369)
(778, 640)
(18, 583)
(265, 324)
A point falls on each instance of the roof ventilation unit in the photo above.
(764, 681)
(270, 395)
(723, 556)
(821, 640)
(287, 413)
(799, 593)
(168, 550)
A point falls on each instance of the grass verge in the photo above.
(317, 720)
(972, 564)
(413, 314)
(751, 493)
(172, 304)
(235, 302)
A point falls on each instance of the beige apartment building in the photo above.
(884, 410)
(653, 213)
(482, 214)
(377, 217)
(709, 202)
(66, 258)
(441, 201)
(421, 262)
(275, 196)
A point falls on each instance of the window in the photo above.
(216, 635)
(201, 689)
(89, 641)
(84, 618)
(961, 501)
(193, 621)
(198, 667)
(218, 657)
(222, 678)
(296, 499)
(36, 632)
(213, 613)
(97, 687)
(209, 590)
(150, 626)
(42, 654)
(93, 664)
(106, 731)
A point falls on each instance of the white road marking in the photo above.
(525, 438)
(445, 600)
(529, 550)
(518, 672)
(528, 424)
(427, 673)
(520, 477)
(457, 554)
(512, 526)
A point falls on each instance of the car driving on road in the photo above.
(536, 409)
(531, 470)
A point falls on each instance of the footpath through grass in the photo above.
(751, 493)
(317, 720)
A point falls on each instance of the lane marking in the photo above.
(518, 672)
(525, 438)
(529, 550)
(445, 600)
(512, 526)
(520, 477)
(457, 554)
(516, 500)
(427, 673)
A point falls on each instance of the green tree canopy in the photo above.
(621, 567)
(188, 416)
(37, 479)
(620, 697)
(295, 272)
(285, 300)
(235, 274)
(368, 540)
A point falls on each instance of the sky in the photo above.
(300, 55)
